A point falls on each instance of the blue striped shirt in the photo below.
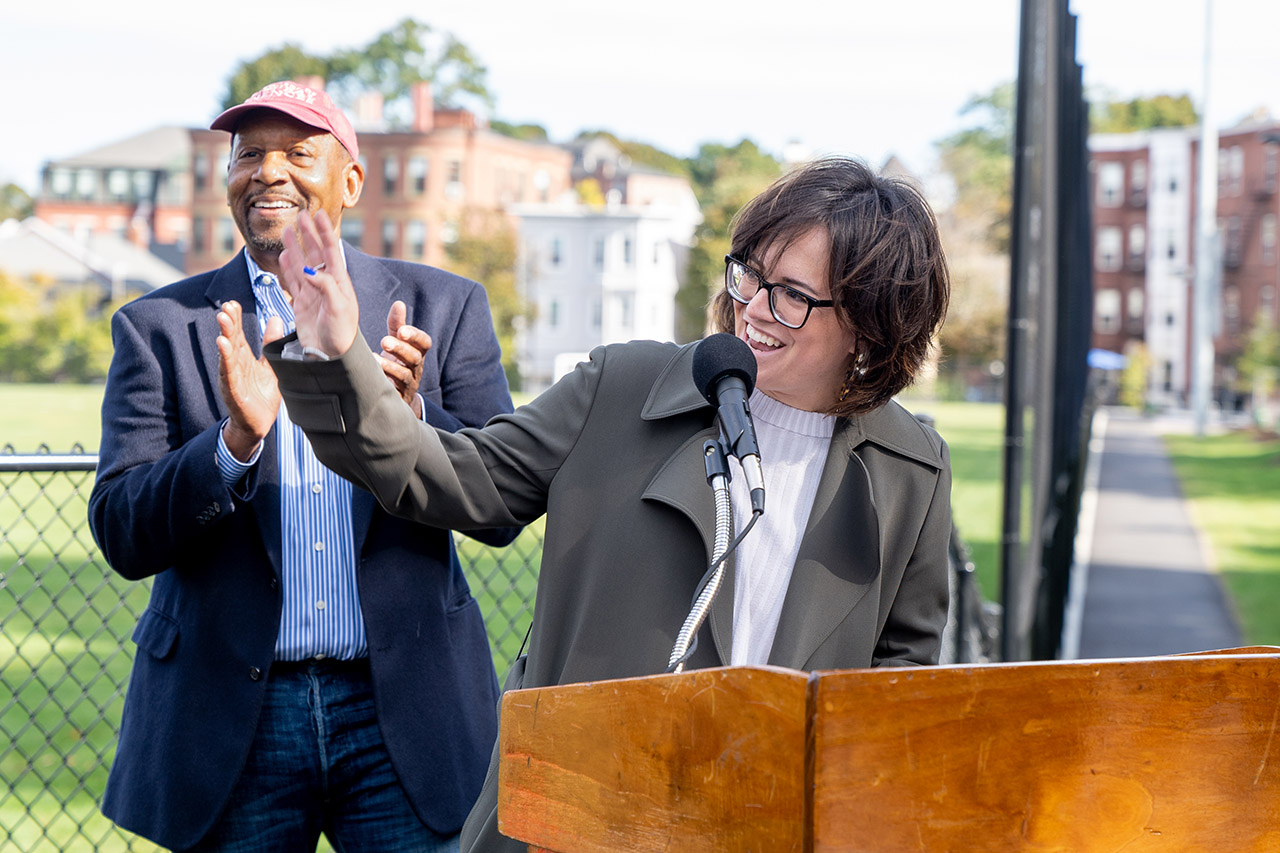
(320, 616)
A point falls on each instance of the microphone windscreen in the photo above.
(720, 355)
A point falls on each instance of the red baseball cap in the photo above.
(310, 106)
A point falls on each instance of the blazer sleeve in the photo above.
(492, 477)
(157, 494)
(912, 633)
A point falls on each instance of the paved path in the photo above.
(1149, 586)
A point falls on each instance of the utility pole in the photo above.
(1206, 248)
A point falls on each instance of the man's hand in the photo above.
(403, 351)
(325, 312)
(247, 384)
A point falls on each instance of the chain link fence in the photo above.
(65, 651)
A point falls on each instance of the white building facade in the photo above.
(597, 276)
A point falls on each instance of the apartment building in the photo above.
(166, 189)
(1144, 206)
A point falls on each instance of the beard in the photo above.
(263, 243)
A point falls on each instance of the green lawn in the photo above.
(1232, 482)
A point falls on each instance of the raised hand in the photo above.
(247, 384)
(325, 312)
(403, 351)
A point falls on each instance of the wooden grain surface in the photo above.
(708, 760)
(1167, 754)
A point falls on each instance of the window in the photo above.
(453, 188)
(1270, 168)
(1134, 310)
(625, 318)
(555, 251)
(86, 183)
(415, 235)
(198, 243)
(1235, 169)
(1231, 308)
(200, 171)
(1267, 302)
(353, 231)
(1137, 246)
(1138, 177)
(1233, 251)
(60, 182)
(418, 175)
(598, 253)
(1107, 253)
(1106, 311)
(626, 251)
(143, 184)
(657, 253)
(1269, 238)
(390, 173)
(226, 235)
(1110, 184)
(542, 183)
(596, 314)
(1168, 375)
(553, 314)
(118, 184)
(388, 238)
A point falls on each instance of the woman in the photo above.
(837, 283)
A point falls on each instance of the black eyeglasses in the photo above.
(788, 306)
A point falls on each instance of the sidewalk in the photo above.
(1144, 570)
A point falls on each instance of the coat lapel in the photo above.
(839, 555)
(232, 282)
(682, 482)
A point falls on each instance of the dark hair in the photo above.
(887, 271)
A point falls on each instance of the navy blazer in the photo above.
(207, 638)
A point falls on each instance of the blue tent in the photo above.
(1106, 359)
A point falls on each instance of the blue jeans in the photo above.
(318, 765)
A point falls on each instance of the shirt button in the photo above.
(320, 605)
(319, 546)
(315, 487)
(255, 674)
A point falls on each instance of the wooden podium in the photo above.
(1172, 754)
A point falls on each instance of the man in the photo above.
(307, 664)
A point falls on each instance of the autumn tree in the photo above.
(1111, 116)
(14, 203)
(409, 52)
(724, 179)
(485, 251)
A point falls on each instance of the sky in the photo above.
(869, 78)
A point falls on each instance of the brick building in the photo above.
(166, 189)
(1144, 206)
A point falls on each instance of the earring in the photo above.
(847, 388)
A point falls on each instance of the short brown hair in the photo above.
(887, 270)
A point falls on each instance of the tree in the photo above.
(14, 203)
(724, 179)
(1110, 116)
(641, 153)
(979, 160)
(524, 132)
(485, 251)
(287, 62)
(409, 52)
(53, 334)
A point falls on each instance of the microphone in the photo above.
(724, 371)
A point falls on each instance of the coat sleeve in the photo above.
(912, 633)
(492, 477)
(157, 494)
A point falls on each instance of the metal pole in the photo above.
(1206, 267)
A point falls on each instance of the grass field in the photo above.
(65, 618)
(1233, 484)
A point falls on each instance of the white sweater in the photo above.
(793, 452)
